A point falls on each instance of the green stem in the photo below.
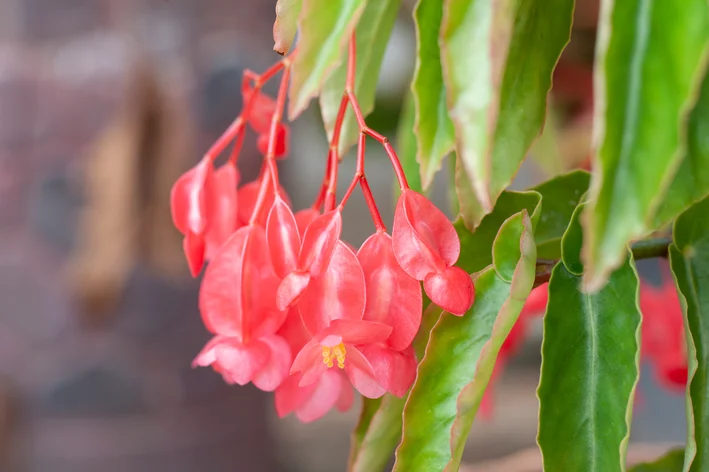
(644, 249)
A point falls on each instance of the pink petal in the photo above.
(312, 373)
(393, 296)
(294, 332)
(304, 217)
(339, 293)
(310, 354)
(271, 375)
(236, 294)
(431, 225)
(220, 294)
(282, 135)
(346, 399)
(451, 289)
(187, 199)
(396, 371)
(326, 394)
(319, 243)
(423, 239)
(237, 363)
(357, 331)
(289, 396)
(221, 204)
(291, 289)
(283, 238)
(248, 195)
(193, 246)
(361, 374)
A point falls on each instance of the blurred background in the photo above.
(103, 104)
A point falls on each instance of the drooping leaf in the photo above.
(406, 145)
(434, 128)
(689, 257)
(590, 356)
(286, 25)
(379, 428)
(670, 462)
(459, 360)
(691, 182)
(650, 62)
(373, 31)
(498, 59)
(325, 29)
(476, 247)
(560, 196)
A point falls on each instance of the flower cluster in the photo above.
(293, 308)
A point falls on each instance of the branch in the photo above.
(644, 249)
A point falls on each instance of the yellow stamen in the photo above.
(326, 356)
(338, 352)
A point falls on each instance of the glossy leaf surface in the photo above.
(689, 256)
(433, 127)
(325, 27)
(649, 65)
(459, 360)
(498, 59)
(590, 357)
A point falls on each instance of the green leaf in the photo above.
(377, 433)
(689, 258)
(379, 428)
(498, 59)
(434, 128)
(671, 462)
(649, 65)
(286, 24)
(571, 243)
(691, 182)
(459, 360)
(590, 356)
(560, 196)
(325, 29)
(373, 31)
(406, 145)
(476, 247)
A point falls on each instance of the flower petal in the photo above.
(283, 238)
(339, 293)
(193, 246)
(396, 371)
(304, 217)
(289, 396)
(361, 374)
(326, 394)
(356, 331)
(291, 289)
(237, 363)
(451, 289)
(393, 296)
(282, 136)
(319, 243)
(187, 198)
(346, 399)
(221, 205)
(423, 239)
(271, 375)
(247, 201)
